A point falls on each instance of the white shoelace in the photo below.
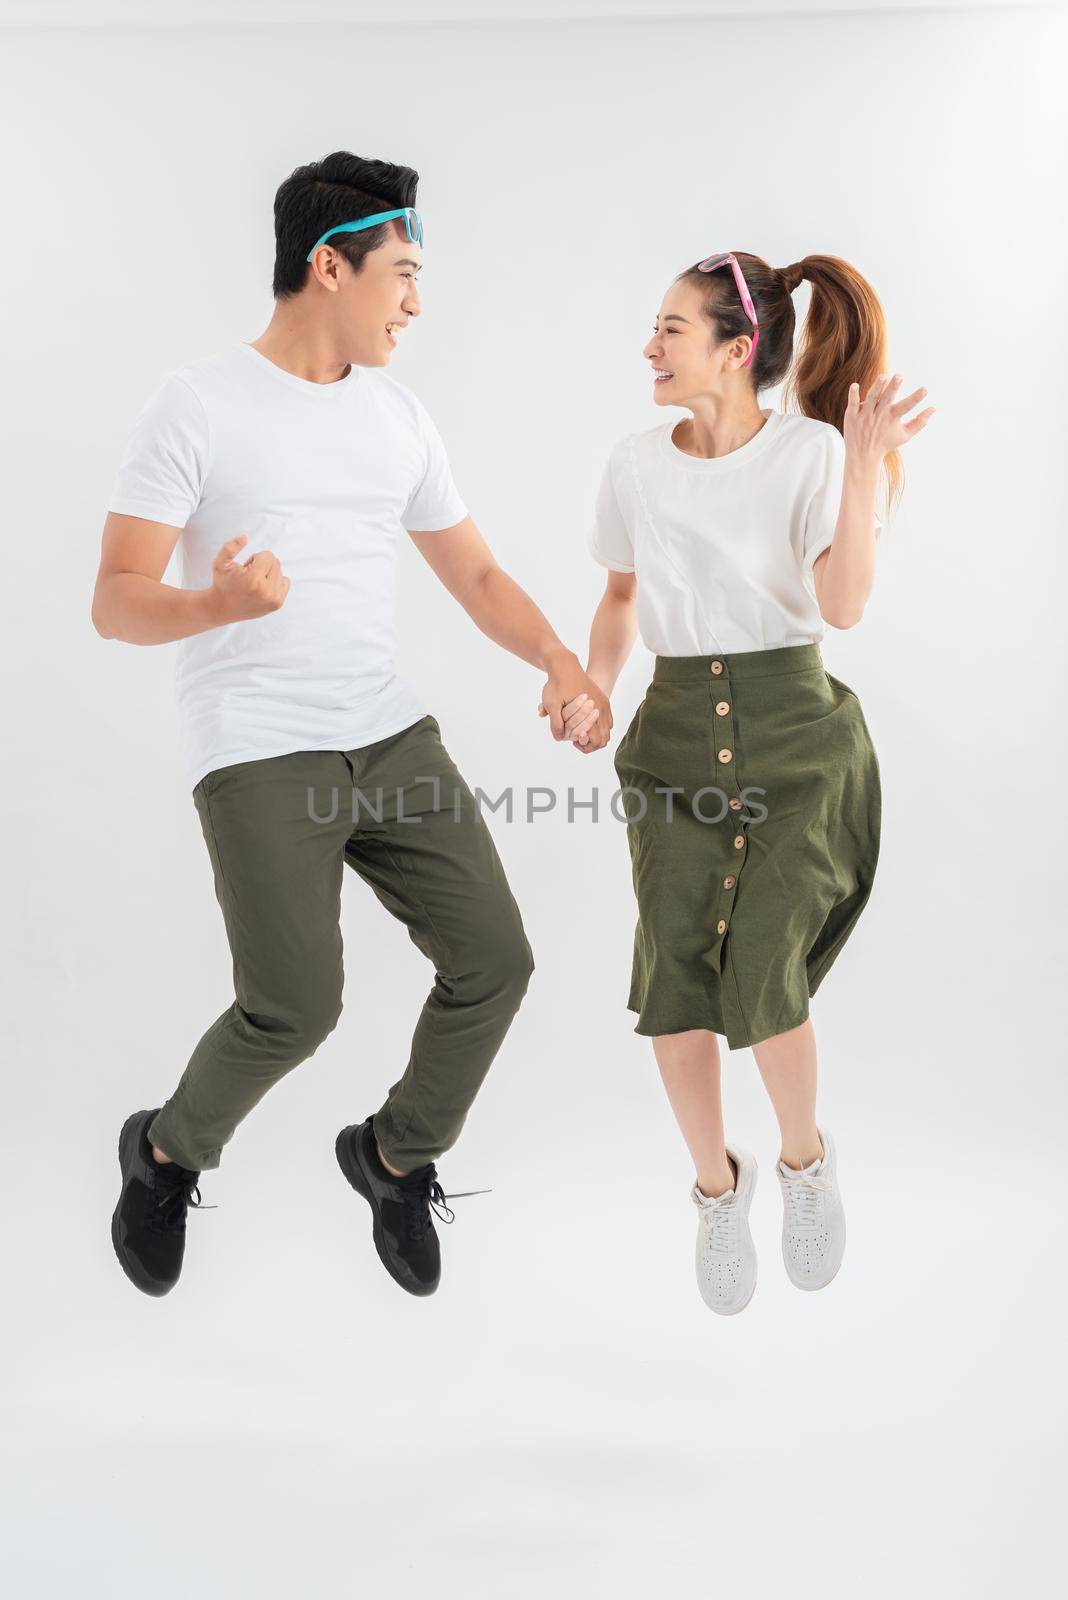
(721, 1224)
(804, 1199)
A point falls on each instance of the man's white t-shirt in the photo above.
(325, 475)
(723, 548)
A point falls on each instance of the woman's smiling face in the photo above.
(685, 361)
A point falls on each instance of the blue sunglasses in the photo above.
(412, 226)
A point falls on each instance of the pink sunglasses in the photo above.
(709, 264)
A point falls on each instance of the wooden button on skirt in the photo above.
(753, 834)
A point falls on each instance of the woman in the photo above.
(750, 782)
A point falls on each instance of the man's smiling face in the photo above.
(380, 299)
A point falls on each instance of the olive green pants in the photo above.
(279, 832)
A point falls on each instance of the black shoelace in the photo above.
(424, 1195)
(174, 1191)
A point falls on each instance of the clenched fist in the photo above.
(246, 589)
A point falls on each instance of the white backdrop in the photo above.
(564, 1411)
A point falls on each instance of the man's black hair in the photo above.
(339, 188)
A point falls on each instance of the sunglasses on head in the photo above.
(412, 226)
(709, 264)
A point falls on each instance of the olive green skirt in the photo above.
(753, 804)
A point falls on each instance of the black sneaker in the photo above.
(148, 1225)
(404, 1233)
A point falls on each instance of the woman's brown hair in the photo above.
(844, 339)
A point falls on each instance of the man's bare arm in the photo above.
(466, 565)
(505, 613)
(132, 603)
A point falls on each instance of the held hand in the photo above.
(581, 722)
(246, 589)
(580, 717)
(572, 717)
(875, 425)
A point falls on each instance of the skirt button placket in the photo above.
(724, 736)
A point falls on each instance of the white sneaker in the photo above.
(725, 1256)
(813, 1219)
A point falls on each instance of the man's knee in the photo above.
(510, 965)
(321, 1018)
(310, 1020)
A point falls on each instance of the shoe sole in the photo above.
(135, 1273)
(353, 1172)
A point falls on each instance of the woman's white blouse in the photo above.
(723, 548)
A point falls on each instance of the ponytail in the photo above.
(844, 341)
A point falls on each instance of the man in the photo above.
(284, 469)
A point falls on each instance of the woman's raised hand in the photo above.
(875, 425)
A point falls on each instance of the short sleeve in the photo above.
(162, 473)
(435, 501)
(609, 540)
(821, 517)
